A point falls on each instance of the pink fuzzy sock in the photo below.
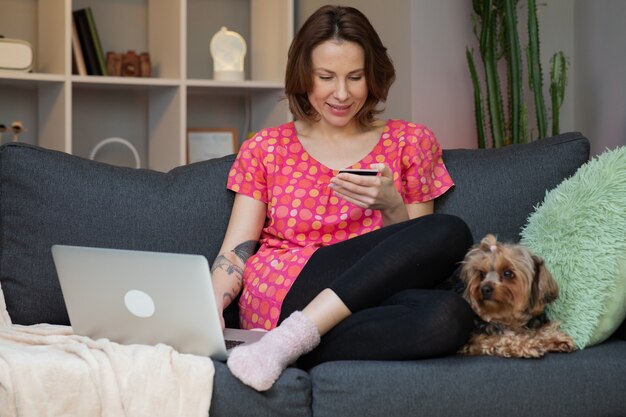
(260, 364)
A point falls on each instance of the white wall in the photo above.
(600, 67)
(442, 95)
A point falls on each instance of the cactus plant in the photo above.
(534, 69)
(478, 99)
(498, 38)
(558, 80)
(514, 71)
(489, 54)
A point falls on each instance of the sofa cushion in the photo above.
(289, 396)
(49, 197)
(496, 189)
(580, 384)
(580, 231)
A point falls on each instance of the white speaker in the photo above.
(15, 55)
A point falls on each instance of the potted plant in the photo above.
(496, 27)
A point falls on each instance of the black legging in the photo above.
(386, 279)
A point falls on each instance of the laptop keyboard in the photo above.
(232, 343)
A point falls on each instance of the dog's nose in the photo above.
(486, 291)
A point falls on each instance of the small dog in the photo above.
(508, 288)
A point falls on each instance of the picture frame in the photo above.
(209, 143)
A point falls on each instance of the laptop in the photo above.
(142, 297)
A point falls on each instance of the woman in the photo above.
(348, 257)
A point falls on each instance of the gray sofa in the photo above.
(48, 197)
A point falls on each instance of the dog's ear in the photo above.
(465, 268)
(544, 288)
(467, 263)
(488, 242)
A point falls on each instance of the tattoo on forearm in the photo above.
(221, 262)
(245, 250)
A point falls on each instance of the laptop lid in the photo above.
(142, 297)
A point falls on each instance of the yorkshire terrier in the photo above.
(508, 288)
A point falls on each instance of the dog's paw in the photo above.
(531, 352)
(566, 344)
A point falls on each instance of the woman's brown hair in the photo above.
(342, 24)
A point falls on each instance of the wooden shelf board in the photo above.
(26, 79)
(90, 81)
(242, 85)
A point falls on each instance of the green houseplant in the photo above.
(496, 27)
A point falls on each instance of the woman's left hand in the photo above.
(373, 192)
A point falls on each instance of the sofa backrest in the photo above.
(49, 197)
(496, 189)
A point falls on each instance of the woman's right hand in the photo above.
(227, 275)
(372, 192)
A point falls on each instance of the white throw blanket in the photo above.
(46, 370)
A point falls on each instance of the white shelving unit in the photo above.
(73, 113)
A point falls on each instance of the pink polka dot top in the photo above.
(303, 214)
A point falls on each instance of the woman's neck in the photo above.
(338, 147)
(328, 133)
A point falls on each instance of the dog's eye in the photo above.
(508, 274)
(482, 274)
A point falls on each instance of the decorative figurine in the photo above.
(114, 64)
(129, 64)
(17, 128)
(145, 67)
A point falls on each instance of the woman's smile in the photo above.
(339, 109)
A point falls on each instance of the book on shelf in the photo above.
(86, 42)
(102, 63)
(77, 52)
(89, 42)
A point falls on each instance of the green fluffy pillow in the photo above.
(580, 231)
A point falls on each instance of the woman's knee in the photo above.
(450, 233)
(453, 228)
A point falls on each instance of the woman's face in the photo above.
(339, 87)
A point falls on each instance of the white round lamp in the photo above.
(228, 50)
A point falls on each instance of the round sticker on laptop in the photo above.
(139, 303)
